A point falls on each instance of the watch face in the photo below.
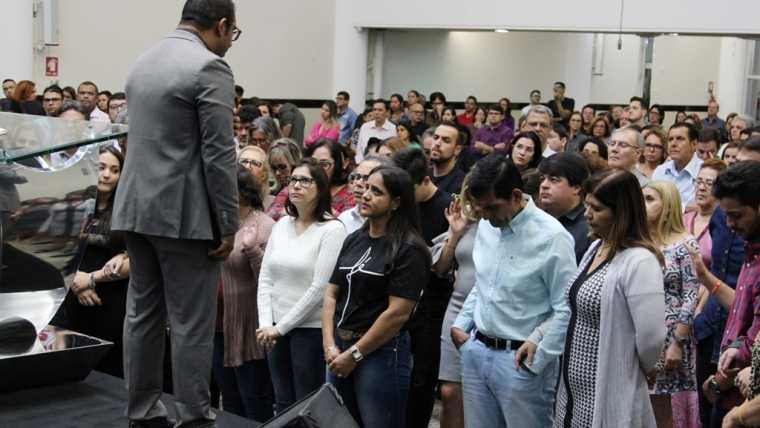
(713, 387)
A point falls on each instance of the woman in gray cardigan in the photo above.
(616, 330)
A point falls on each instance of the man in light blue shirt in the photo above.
(683, 166)
(346, 116)
(524, 260)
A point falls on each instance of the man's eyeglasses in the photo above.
(541, 125)
(623, 145)
(305, 182)
(358, 177)
(236, 33)
(250, 163)
(52, 100)
(117, 106)
(700, 182)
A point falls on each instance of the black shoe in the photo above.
(167, 423)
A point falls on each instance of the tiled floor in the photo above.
(435, 421)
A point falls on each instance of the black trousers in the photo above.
(705, 369)
(425, 334)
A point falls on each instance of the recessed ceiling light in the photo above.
(502, 30)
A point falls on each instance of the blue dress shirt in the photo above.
(347, 119)
(682, 180)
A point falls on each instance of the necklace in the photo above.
(601, 248)
(244, 218)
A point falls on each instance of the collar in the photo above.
(386, 124)
(575, 212)
(692, 167)
(498, 127)
(522, 217)
(356, 214)
(751, 250)
(186, 33)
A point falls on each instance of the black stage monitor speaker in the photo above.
(322, 408)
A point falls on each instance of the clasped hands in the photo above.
(267, 336)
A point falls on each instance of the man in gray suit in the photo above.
(178, 208)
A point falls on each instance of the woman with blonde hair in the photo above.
(675, 371)
(255, 160)
(391, 145)
(329, 127)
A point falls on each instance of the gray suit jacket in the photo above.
(180, 177)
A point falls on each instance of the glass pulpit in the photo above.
(48, 185)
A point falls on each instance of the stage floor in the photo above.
(97, 402)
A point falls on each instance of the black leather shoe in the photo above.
(167, 423)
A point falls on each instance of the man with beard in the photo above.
(448, 142)
(638, 111)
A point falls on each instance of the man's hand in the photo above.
(524, 355)
(235, 124)
(221, 253)
(459, 337)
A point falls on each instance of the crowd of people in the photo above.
(565, 267)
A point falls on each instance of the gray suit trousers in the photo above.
(174, 278)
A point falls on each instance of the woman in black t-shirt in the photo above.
(373, 290)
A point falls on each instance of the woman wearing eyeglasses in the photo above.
(263, 132)
(655, 151)
(300, 256)
(282, 156)
(333, 157)
(525, 152)
(255, 160)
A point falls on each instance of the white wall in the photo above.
(620, 71)
(682, 67)
(285, 50)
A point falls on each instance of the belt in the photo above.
(498, 343)
(349, 335)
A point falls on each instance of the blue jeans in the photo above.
(297, 366)
(495, 391)
(376, 390)
(245, 389)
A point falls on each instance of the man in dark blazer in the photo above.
(177, 205)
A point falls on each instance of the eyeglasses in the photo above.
(700, 182)
(653, 147)
(117, 106)
(236, 32)
(281, 168)
(623, 145)
(358, 177)
(250, 163)
(52, 100)
(541, 125)
(305, 182)
(418, 111)
(600, 126)
(257, 141)
(525, 148)
(324, 164)
(654, 113)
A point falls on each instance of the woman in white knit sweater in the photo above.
(300, 256)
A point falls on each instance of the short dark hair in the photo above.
(495, 173)
(752, 144)
(9, 80)
(437, 95)
(345, 95)
(106, 93)
(249, 113)
(338, 152)
(88, 83)
(588, 106)
(76, 106)
(598, 142)
(496, 107)
(117, 96)
(693, 131)
(249, 189)
(642, 101)
(742, 182)
(560, 130)
(472, 97)
(708, 134)
(54, 88)
(562, 85)
(10, 105)
(535, 91)
(746, 131)
(384, 102)
(202, 14)
(239, 90)
(413, 161)
(755, 129)
(460, 134)
(570, 165)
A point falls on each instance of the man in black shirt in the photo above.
(563, 175)
(562, 108)
(417, 112)
(425, 324)
(448, 143)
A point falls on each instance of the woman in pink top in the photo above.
(329, 127)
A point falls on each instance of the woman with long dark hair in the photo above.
(333, 157)
(616, 329)
(300, 256)
(97, 302)
(525, 151)
(373, 289)
(405, 132)
(396, 113)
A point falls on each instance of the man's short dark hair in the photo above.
(693, 131)
(52, 88)
(33, 108)
(76, 106)
(248, 113)
(472, 97)
(460, 133)
(755, 130)
(88, 83)
(203, 14)
(413, 161)
(384, 102)
(742, 182)
(642, 101)
(560, 130)
(752, 144)
(345, 95)
(535, 91)
(496, 107)
(588, 106)
(746, 131)
(709, 134)
(570, 165)
(437, 95)
(561, 85)
(239, 90)
(117, 96)
(9, 80)
(497, 173)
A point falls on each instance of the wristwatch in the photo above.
(683, 341)
(712, 386)
(92, 281)
(356, 354)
